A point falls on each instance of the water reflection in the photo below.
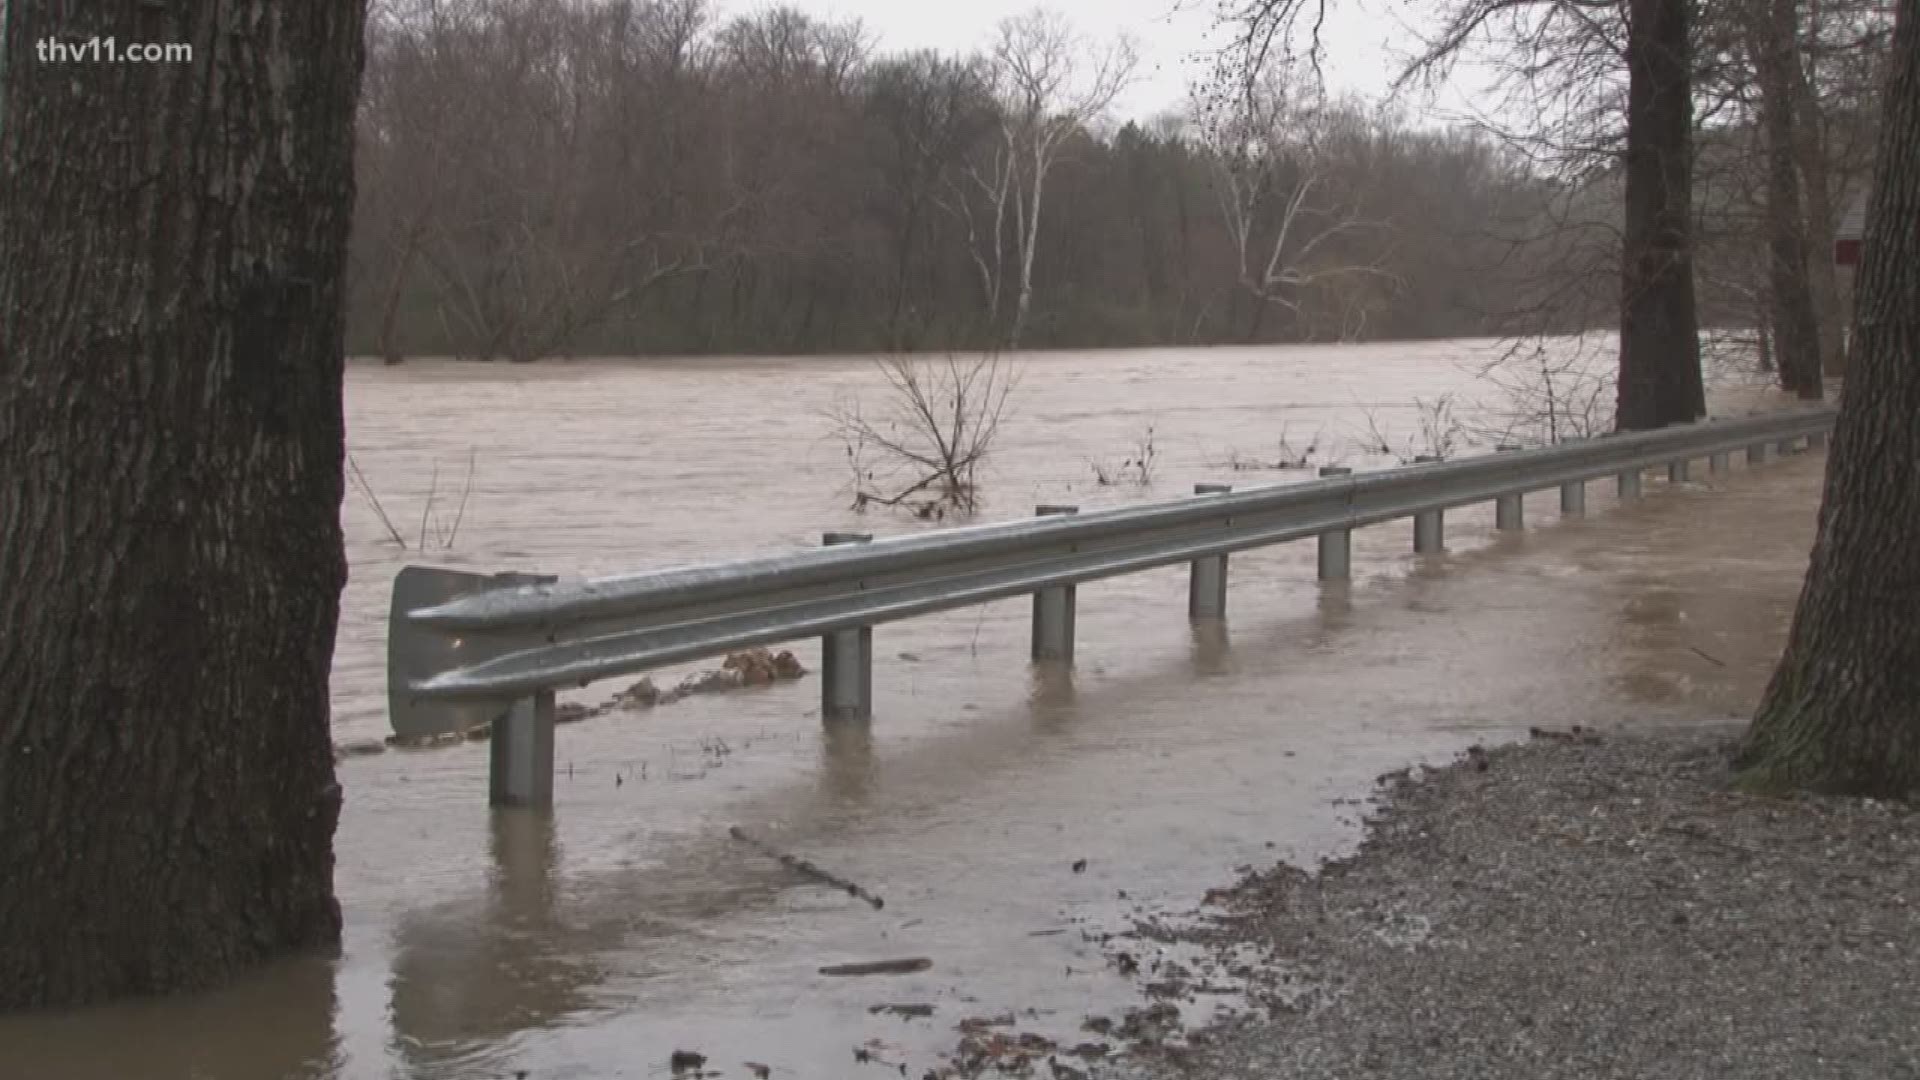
(1212, 650)
(274, 1023)
(1335, 604)
(847, 771)
(467, 976)
(1050, 686)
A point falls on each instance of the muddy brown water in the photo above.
(596, 941)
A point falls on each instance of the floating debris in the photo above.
(905, 966)
(799, 865)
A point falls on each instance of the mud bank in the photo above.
(1569, 907)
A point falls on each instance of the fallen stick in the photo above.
(880, 967)
(802, 866)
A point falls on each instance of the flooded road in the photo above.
(596, 941)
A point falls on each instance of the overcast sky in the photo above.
(1364, 38)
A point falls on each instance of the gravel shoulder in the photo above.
(1575, 906)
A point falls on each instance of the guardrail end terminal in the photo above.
(416, 653)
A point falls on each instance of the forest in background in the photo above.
(630, 177)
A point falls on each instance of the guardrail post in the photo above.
(1757, 453)
(1628, 485)
(1573, 498)
(1573, 493)
(1817, 440)
(1207, 578)
(1053, 610)
(1336, 546)
(1678, 471)
(520, 765)
(1429, 526)
(1717, 462)
(846, 659)
(1509, 511)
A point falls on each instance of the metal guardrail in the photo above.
(467, 649)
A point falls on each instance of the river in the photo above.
(596, 941)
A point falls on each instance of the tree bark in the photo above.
(170, 470)
(1815, 173)
(1660, 381)
(1797, 334)
(1842, 713)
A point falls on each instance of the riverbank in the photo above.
(1576, 906)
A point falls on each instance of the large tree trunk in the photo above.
(1796, 332)
(1660, 379)
(170, 453)
(1842, 713)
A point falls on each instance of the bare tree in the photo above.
(1774, 36)
(1549, 393)
(989, 177)
(521, 155)
(929, 111)
(406, 114)
(636, 176)
(1050, 83)
(1660, 380)
(1439, 433)
(1287, 200)
(1844, 52)
(923, 445)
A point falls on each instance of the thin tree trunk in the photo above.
(1258, 318)
(1810, 131)
(1830, 313)
(390, 303)
(903, 272)
(1842, 713)
(1660, 380)
(171, 444)
(1797, 334)
(1029, 240)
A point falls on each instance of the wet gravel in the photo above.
(1577, 908)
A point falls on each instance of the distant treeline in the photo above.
(619, 177)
